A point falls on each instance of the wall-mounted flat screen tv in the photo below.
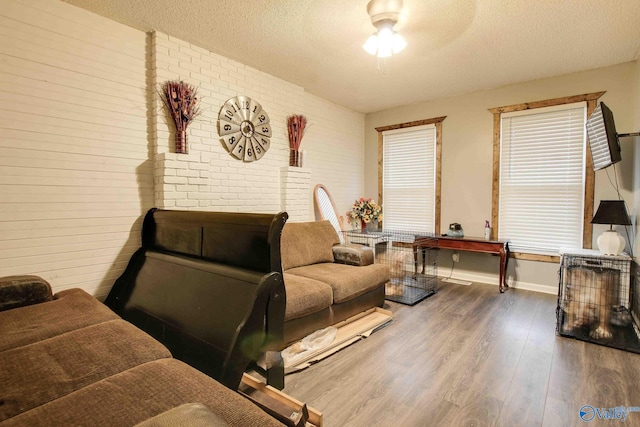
(603, 139)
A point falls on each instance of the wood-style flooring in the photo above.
(469, 356)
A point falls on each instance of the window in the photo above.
(543, 180)
(409, 175)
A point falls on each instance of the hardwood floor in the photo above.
(468, 356)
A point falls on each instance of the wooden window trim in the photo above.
(437, 121)
(587, 233)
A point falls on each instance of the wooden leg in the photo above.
(275, 376)
(504, 260)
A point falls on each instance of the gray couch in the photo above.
(326, 282)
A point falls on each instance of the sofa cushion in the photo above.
(37, 373)
(143, 392)
(346, 281)
(71, 309)
(353, 254)
(304, 243)
(20, 291)
(305, 296)
(187, 415)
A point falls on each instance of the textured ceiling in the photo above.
(454, 46)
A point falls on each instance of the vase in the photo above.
(295, 158)
(368, 226)
(181, 142)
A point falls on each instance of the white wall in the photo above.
(334, 150)
(222, 182)
(467, 139)
(209, 178)
(84, 140)
(75, 174)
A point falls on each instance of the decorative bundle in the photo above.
(181, 100)
(296, 125)
(365, 210)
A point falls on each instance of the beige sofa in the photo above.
(326, 282)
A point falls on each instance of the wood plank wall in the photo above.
(75, 175)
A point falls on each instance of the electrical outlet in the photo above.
(455, 257)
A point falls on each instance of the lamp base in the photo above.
(611, 243)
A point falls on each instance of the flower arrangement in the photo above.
(296, 126)
(365, 210)
(181, 101)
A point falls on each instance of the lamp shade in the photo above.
(611, 212)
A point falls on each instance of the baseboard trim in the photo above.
(457, 281)
(493, 280)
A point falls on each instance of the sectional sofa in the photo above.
(68, 360)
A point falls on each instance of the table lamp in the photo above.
(611, 212)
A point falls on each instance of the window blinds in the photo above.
(542, 167)
(408, 178)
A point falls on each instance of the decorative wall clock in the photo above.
(244, 128)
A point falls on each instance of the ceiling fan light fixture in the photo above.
(385, 41)
(371, 45)
(399, 43)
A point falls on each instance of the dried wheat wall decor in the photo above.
(296, 125)
(181, 101)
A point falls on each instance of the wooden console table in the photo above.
(469, 244)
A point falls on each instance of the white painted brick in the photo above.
(193, 131)
(188, 173)
(185, 203)
(252, 186)
(189, 66)
(189, 51)
(163, 59)
(199, 166)
(178, 72)
(196, 195)
(175, 164)
(80, 85)
(175, 180)
(212, 60)
(167, 156)
(198, 76)
(179, 42)
(200, 50)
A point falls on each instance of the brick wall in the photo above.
(86, 149)
(295, 190)
(209, 178)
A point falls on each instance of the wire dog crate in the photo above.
(412, 261)
(635, 298)
(594, 300)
